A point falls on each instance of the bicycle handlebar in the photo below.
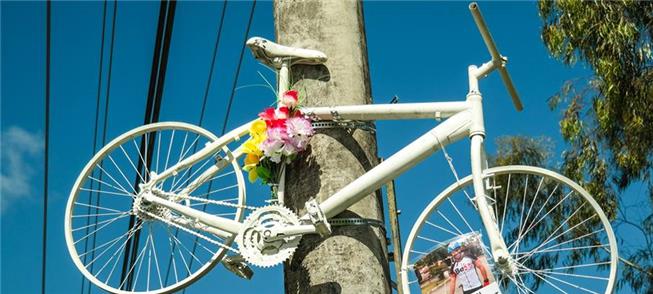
(496, 57)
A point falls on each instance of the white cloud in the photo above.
(22, 154)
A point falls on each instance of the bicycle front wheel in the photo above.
(558, 237)
(125, 245)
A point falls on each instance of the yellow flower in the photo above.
(251, 147)
(252, 175)
(257, 128)
(251, 161)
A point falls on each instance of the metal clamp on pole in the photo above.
(339, 222)
(344, 124)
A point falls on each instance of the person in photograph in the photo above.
(465, 269)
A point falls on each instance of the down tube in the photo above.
(449, 131)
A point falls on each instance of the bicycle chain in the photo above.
(192, 232)
(218, 202)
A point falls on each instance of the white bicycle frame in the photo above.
(463, 119)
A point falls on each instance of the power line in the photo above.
(202, 112)
(106, 119)
(209, 82)
(231, 97)
(150, 97)
(233, 88)
(47, 141)
(155, 95)
(95, 131)
(212, 68)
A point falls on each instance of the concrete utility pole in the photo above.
(354, 258)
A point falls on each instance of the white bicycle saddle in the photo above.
(272, 54)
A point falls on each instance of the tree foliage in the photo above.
(607, 119)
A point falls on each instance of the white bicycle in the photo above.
(162, 204)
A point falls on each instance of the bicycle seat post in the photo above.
(281, 58)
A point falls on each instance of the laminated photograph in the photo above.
(458, 266)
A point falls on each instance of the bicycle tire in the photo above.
(544, 263)
(113, 173)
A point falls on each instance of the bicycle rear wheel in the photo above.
(124, 246)
(558, 236)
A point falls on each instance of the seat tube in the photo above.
(284, 77)
(282, 86)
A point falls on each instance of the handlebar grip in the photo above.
(496, 57)
(482, 27)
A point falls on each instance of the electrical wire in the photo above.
(47, 141)
(249, 23)
(152, 111)
(212, 67)
(95, 133)
(203, 109)
(231, 97)
(150, 96)
(240, 62)
(105, 119)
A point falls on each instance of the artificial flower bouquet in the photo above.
(276, 138)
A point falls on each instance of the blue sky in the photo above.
(417, 50)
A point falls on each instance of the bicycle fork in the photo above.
(498, 247)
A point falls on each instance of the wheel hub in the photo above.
(146, 210)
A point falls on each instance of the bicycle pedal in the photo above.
(237, 265)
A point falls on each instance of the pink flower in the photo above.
(282, 112)
(299, 132)
(267, 114)
(289, 149)
(272, 149)
(274, 118)
(299, 126)
(277, 133)
(297, 113)
(289, 98)
(299, 143)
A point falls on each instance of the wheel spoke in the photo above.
(461, 215)
(156, 260)
(549, 239)
(449, 222)
(100, 228)
(567, 283)
(441, 228)
(181, 254)
(104, 172)
(122, 173)
(505, 205)
(431, 240)
(121, 189)
(143, 160)
(131, 233)
(97, 207)
(182, 183)
(96, 224)
(133, 165)
(108, 192)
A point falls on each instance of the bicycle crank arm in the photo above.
(285, 232)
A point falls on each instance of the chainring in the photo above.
(250, 240)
